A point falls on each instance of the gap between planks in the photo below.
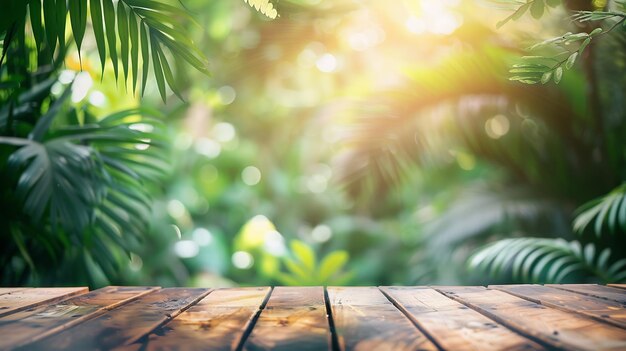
(409, 317)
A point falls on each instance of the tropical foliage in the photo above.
(330, 142)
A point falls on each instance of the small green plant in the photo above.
(303, 267)
(560, 56)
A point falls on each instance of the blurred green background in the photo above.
(343, 142)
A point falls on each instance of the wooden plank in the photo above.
(10, 290)
(603, 310)
(550, 326)
(294, 319)
(454, 326)
(620, 286)
(365, 319)
(599, 291)
(217, 322)
(33, 297)
(123, 325)
(24, 327)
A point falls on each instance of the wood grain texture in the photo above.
(28, 326)
(10, 290)
(366, 320)
(550, 326)
(294, 319)
(123, 325)
(16, 301)
(217, 322)
(603, 310)
(599, 291)
(620, 286)
(453, 325)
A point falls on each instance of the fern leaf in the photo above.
(263, 6)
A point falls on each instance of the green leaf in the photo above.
(332, 264)
(584, 44)
(537, 8)
(167, 72)
(50, 19)
(264, 6)
(43, 124)
(98, 30)
(596, 31)
(298, 270)
(123, 31)
(546, 77)
(35, 21)
(558, 74)
(304, 254)
(145, 56)
(156, 67)
(78, 20)
(515, 15)
(109, 22)
(553, 3)
(134, 49)
(61, 12)
(571, 60)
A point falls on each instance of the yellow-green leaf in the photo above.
(332, 264)
(304, 254)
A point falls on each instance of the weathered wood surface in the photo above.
(36, 323)
(621, 286)
(502, 317)
(454, 326)
(603, 292)
(365, 319)
(123, 325)
(606, 311)
(293, 319)
(10, 290)
(217, 322)
(549, 326)
(14, 301)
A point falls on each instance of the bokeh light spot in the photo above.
(321, 233)
(202, 236)
(186, 249)
(251, 175)
(242, 260)
(497, 126)
(326, 63)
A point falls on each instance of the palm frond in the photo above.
(120, 29)
(88, 182)
(607, 212)
(481, 210)
(447, 107)
(542, 260)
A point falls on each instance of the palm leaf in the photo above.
(607, 212)
(117, 34)
(89, 182)
(541, 260)
(448, 105)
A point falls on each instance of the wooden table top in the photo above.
(501, 317)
